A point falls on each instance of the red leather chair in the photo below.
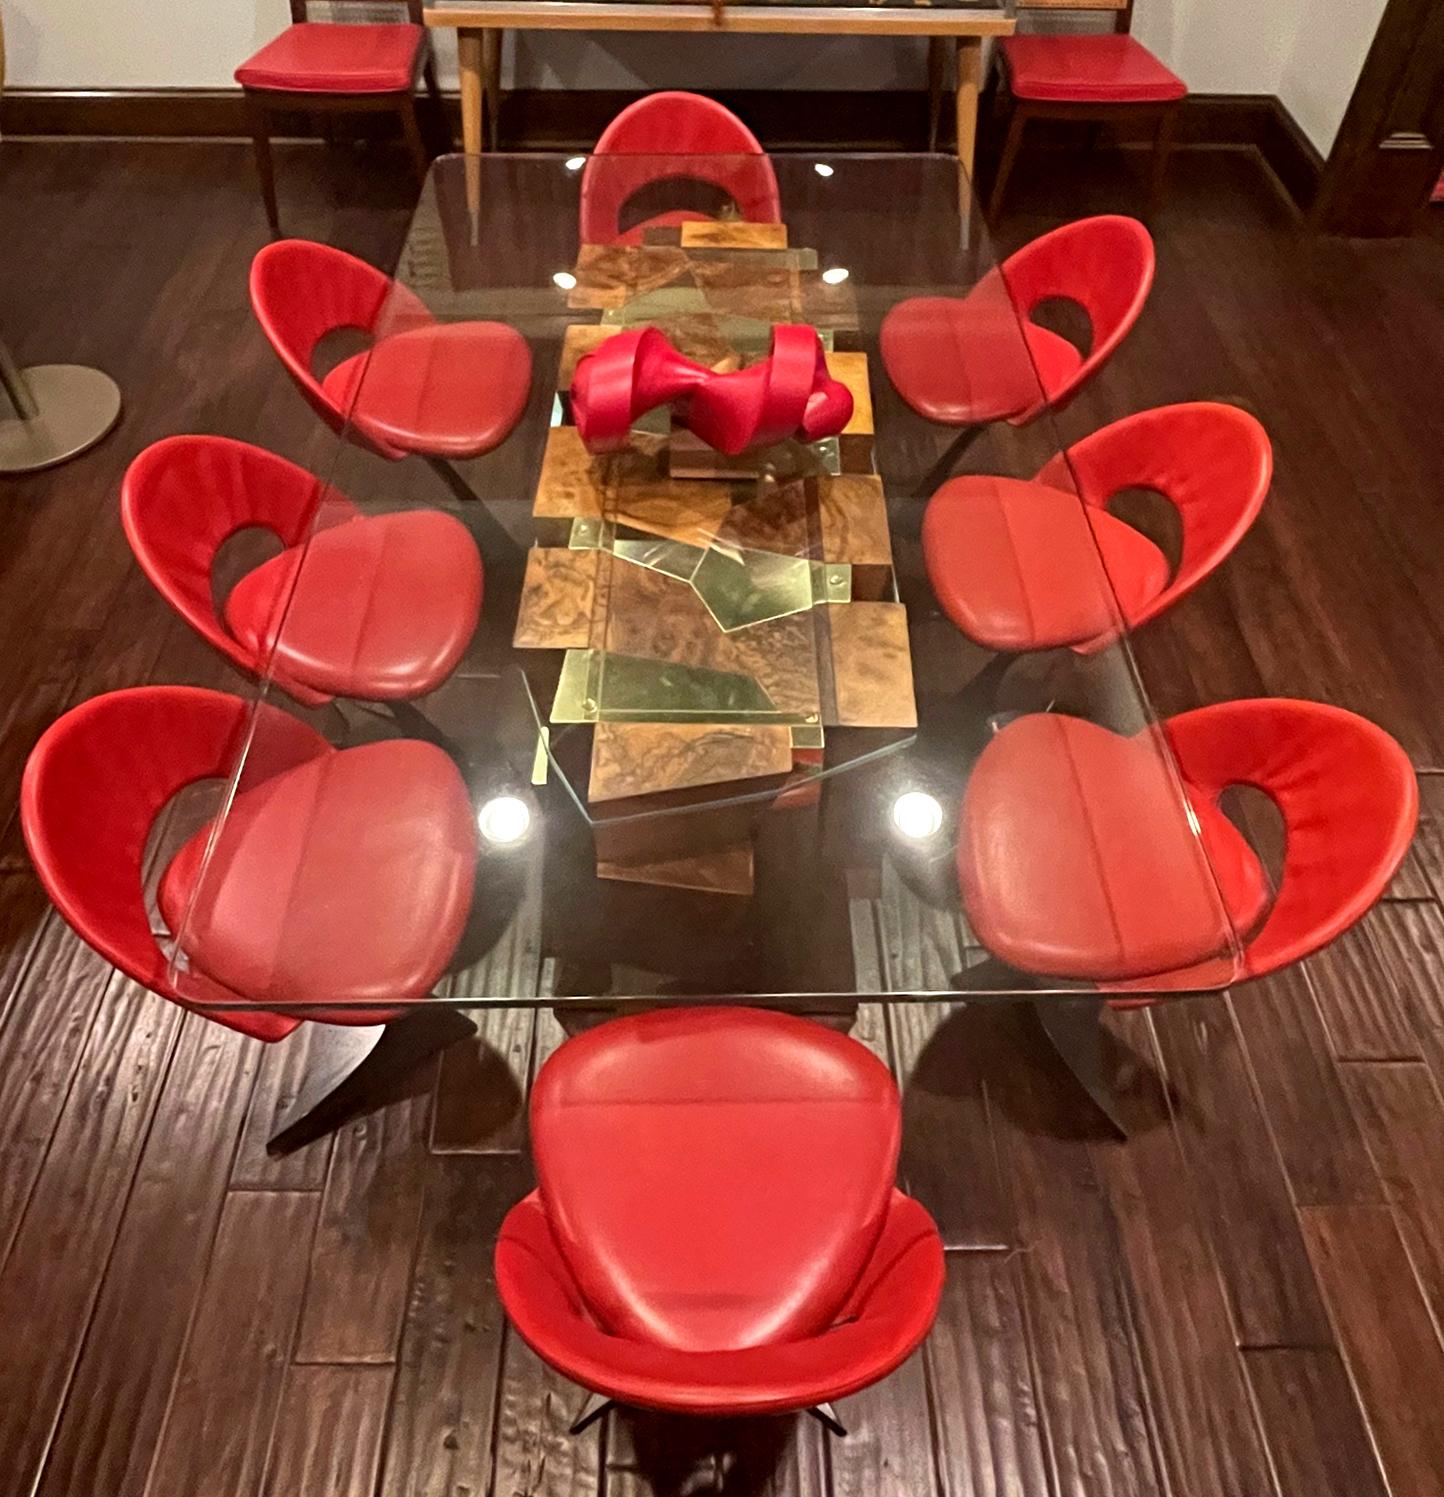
(442, 389)
(1094, 79)
(344, 876)
(338, 69)
(1016, 565)
(1071, 842)
(677, 125)
(962, 361)
(716, 1230)
(377, 607)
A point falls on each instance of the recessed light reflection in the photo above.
(836, 276)
(822, 168)
(504, 819)
(575, 163)
(917, 815)
(565, 279)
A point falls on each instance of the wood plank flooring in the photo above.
(1244, 1300)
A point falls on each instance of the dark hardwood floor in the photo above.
(1242, 1301)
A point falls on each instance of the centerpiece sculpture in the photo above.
(788, 394)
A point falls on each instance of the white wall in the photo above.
(1325, 60)
(1307, 51)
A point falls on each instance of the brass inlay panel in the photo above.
(728, 871)
(597, 686)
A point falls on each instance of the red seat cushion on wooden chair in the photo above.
(319, 58)
(1023, 566)
(716, 1178)
(452, 390)
(1077, 860)
(383, 608)
(1088, 70)
(344, 880)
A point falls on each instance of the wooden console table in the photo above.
(480, 24)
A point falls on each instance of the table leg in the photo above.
(937, 79)
(491, 82)
(470, 45)
(970, 82)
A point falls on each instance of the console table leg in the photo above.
(469, 47)
(970, 82)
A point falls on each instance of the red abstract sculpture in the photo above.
(789, 393)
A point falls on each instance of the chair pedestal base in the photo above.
(373, 1074)
(51, 413)
(597, 1405)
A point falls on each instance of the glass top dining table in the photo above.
(708, 730)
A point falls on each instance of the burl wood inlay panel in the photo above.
(872, 666)
(558, 599)
(741, 236)
(652, 758)
(851, 370)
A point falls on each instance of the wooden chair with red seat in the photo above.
(339, 68)
(1094, 79)
(965, 361)
(443, 390)
(1079, 861)
(342, 878)
(376, 607)
(717, 1228)
(1022, 566)
(674, 124)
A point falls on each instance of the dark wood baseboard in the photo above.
(558, 119)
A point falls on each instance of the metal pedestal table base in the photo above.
(73, 408)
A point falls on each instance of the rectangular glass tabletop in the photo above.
(717, 726)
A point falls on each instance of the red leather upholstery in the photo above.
(383, 608)
(1076, 857)
(960, 361)
(716, 1227)
(678, 125)
(454, 390)
(1088, 70)
(1021, 566)
(1073, 851)
(92, 790)
(346, 880)
(882, 1322)
(447, 390)
(314, 58)
(101, 775)
(1016, 568)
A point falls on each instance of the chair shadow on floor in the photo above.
(679, 1456)
(989, 1062)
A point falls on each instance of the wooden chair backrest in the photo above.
(365, 10)
(1122, 9)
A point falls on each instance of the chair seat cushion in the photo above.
(344, 880)
(383, 608)
(1015, 565)
(452, 390)
(716, 1178)
(882, 1321)
(1088, 70)
(319, 58)
(1077, 859)
(962, 361)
